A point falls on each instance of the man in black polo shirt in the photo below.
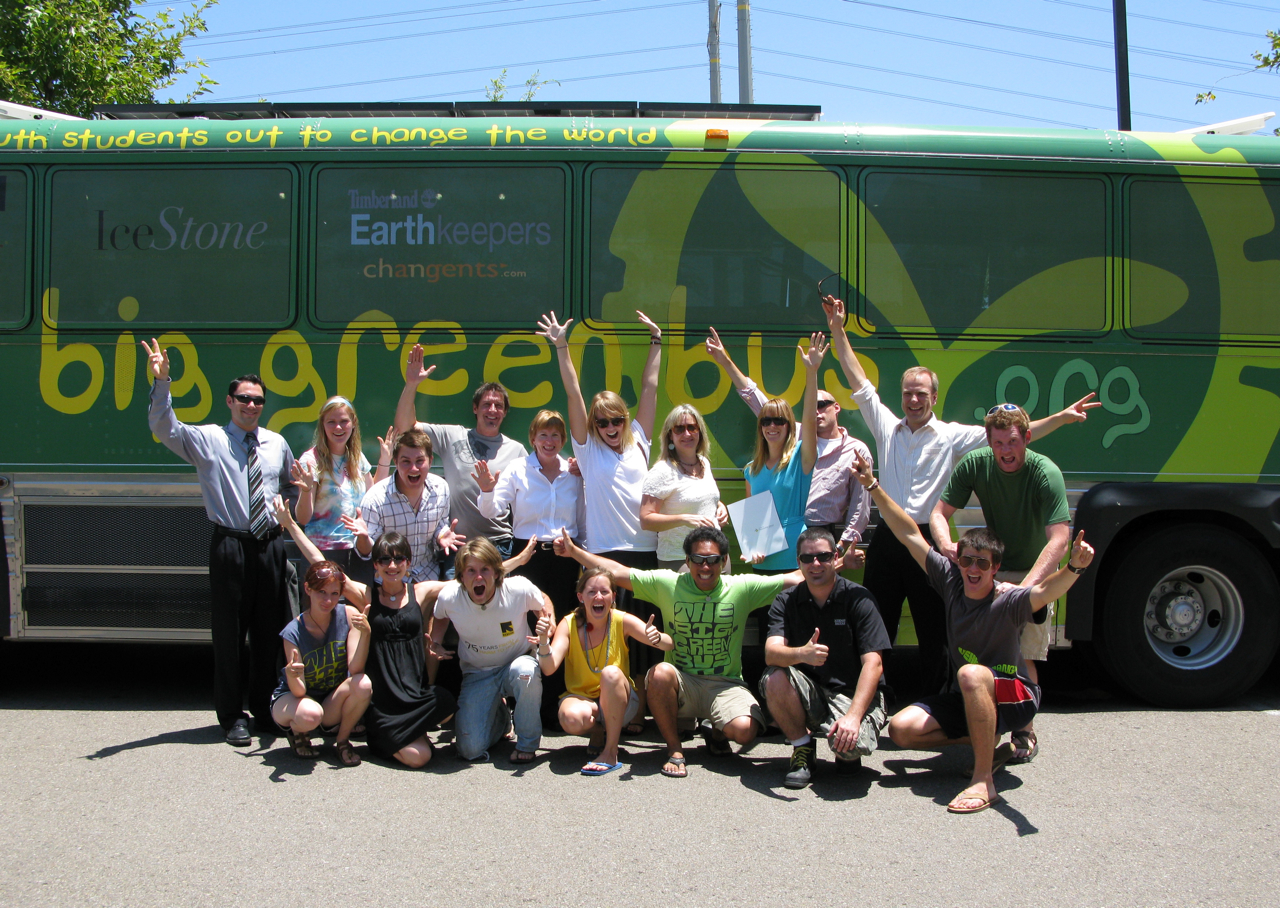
(825, 674)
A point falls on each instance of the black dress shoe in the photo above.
(238, 735)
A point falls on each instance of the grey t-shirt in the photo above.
(981, 631)
(458, 449)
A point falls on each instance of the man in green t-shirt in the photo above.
(1024, 502)
(705, 612)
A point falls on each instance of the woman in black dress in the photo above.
(404, 703)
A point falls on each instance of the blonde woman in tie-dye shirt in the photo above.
(332, 477)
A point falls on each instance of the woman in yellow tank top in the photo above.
(591, 644)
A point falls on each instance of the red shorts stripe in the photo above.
(1012, 690)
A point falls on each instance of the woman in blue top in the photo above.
(776, 467)
(322, 684)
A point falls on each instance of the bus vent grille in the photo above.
(113, 534)
(57, 599)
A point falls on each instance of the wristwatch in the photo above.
(1075, 570)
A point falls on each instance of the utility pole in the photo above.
(713, 47)
(745, 95)
(1118, 14)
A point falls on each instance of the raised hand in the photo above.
(355, 524)
(449, 538)
(651, 633)
(358, 621)
(302, 477)
(1079, 411)
(157, 359)
(715, 347)
(543, 630)
(552, 330)
(574, 469)
(387, 445)
(521, 558)
(654, 330)
(281, 507)
(818, 347)
(435, 649)
(1081, 552)
(484, 478)
(813, 652)
(861, 471)
(414, 373)
(835, 312)
(854, 559)
(296, 669)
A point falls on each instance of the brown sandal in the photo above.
(346, 753)
(300, 742)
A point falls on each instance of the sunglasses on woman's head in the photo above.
(773, 420)
(604, 422)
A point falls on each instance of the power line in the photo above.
(410, 12)
(636, 72)
(1265, 9)
(450, 31)
(458, 72)
(1107, 10)
(1055, 36)
(347, 28)
(995, 50)
(1007, 91)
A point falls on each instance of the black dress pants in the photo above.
(892, 575)
(247, 578)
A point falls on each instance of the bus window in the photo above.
(742, 245)
(171, 247)
(1204, 259)
(979, 252)
(436, 242)
(13, 246)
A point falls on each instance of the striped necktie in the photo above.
(257, 502)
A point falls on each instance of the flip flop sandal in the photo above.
(634, 727)
(600, 769)
(521, 757)
(1025, 747)
(675, 761)
(347, 755)
(983, 802)
(300, 743)
(716, 747)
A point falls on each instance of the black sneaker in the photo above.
(802, 760)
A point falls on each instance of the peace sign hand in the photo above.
(157, 359)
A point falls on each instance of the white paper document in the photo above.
(756, 522)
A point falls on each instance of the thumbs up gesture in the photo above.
(813, 652)
(652, 634)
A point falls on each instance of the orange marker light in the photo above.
(717, 134)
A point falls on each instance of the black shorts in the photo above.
(1017, 702)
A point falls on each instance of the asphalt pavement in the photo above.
(119, 790)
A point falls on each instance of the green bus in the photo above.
(316, 246)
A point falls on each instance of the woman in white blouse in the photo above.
(680, 493)
(543, 497)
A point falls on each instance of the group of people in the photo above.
(596, 590)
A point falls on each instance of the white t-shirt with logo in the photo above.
(494, 634)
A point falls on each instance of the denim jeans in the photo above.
(482, 715)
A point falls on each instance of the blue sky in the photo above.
(994, 63)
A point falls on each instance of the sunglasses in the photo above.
(1007, 408)
(820, 557)
(705, 559)
(984, 564)
(392, 559)
(823, 404)
(250, 399)
(821, 292)
(773, 421)
(684, 430)
(604, 422)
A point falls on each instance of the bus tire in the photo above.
(1191, 617)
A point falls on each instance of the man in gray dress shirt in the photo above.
(242, 467)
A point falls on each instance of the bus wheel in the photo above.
(1191, 617)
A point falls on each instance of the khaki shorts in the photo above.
(823, 707)
(1035, 637)
(719, 699)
